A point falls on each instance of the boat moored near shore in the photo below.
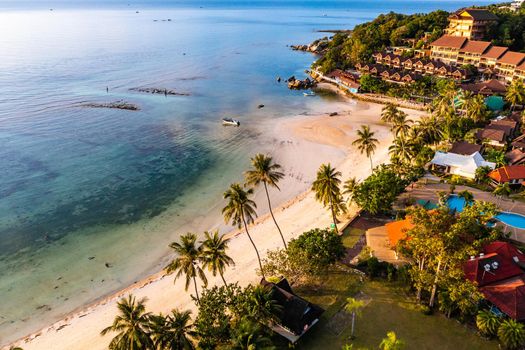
(230, 121)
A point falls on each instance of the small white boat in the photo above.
(309, 93)
(230, 121)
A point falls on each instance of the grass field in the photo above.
(388, 308)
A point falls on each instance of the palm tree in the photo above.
(349, 187)
(511, 334)
(172, 332)
(502, 190)
(354, 307)
(187, 261)
(248, 335)
(475, 108)
(487, 323)
(240, 210)
(266, 172)
(214, 255)
(366, 142)
(429, 129)
(515, 93)
(391, 342)
(467, 196)
(389, 113)
(326, 188)
(401, 125)
(132, 325)
(401, 149)
(261, 305)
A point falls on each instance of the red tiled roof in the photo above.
(488, 87)
(511, 57)
(505, 250)
(491, 134)
(490, 268)
(473, 46)
(521, 67)
(495, 52)
(397, 230)
(516, 156)
(508, 296)
(508, 173)
(450, 41)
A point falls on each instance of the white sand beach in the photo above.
(297, 141)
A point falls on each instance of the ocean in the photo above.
(85, 188)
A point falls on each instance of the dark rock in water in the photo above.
(278, 79)
(319, 46)
(333, 114)
(260, 106)
(297, 84)
(91, 258)
(114, 105)
(292, 78)
(160, 91)
(108, 265)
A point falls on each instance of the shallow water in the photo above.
(81, 187)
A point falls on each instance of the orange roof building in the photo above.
(512, 174)
(397, 230)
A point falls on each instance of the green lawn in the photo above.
(351, 236)
(388, 308)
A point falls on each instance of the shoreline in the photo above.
(296, 215)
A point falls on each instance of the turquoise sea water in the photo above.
(81, 187)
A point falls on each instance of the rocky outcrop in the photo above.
(319, 46)
(160, 91)
(113, 105)
(297, 84)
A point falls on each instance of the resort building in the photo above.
(458, 164)
(465, 148)
(486, 88)
(472, 51)
(446, 49)
(517, 4)
(492, 137)
(297, 315)
(515, 157)
(470, 23)
(498, 273)
(397, 230)
(507, 64)
(511, 174)
(520, 72)
(345, 80)
(491, 56)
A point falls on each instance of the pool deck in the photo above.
(427, 189)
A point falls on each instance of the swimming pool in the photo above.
(511, 219)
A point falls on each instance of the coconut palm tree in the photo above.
(240, 211)
(401, 125)
(401, 149)
(389, 113)
(511, 334)
(488, 323)
(172, 332)
(354, 307)
(214, 255)
(391, 342)
(515, 93)
(189, 255)
(265, 171)
(326, 188)
(366, 142)
(261, 305)
(249, 335)
(475, 108)
(467, 196)
(349, 187)
(132, 326)
(502, 190)
(429, 129)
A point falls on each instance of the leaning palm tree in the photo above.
(172, 332)
(487, 323)
(401, 149)
(515, 93)
(265, 171)
(214, 255)
(511, 334)
(354, 307)
(326, 188)
(240, 211)
(187, 261)
(389, 113)
(132, 326)
(391, 342)
(366, 142)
